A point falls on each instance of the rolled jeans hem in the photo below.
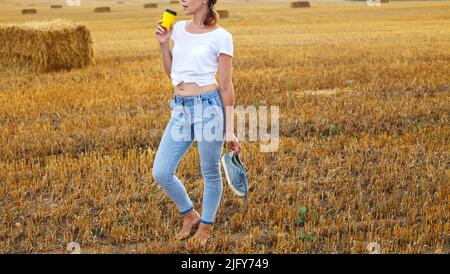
(206, 222)
(186, 211)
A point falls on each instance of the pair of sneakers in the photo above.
(236, 175)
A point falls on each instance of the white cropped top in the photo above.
(195, 57)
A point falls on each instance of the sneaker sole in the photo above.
(224, 165)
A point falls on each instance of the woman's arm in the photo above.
(227, 93)
(166, 52)
(163, 36)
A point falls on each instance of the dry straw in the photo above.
(174, 2)
(56, 6)
(223, 14)
(102, 9)
(150, 5)
(43, 46)
(29, 11)
(300, 4)
(384, 1)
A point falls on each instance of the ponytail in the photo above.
(212, 17)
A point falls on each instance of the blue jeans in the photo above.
(199, 118)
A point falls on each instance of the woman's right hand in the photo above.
(232, 142)
(162, 34)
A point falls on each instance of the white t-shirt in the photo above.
(195, 57)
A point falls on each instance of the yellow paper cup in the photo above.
(168, 18)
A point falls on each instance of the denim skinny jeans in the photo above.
(199, 118)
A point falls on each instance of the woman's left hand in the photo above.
(232, 142)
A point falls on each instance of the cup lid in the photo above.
(171, 11)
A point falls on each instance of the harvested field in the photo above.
(364, 153)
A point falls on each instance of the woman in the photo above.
(201, 47)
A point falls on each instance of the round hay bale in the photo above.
(174, 2)
(44, 46)
(384, 1)
(102, 9)
(150, 6)
(56, 6)
(120, 2)
(29, 11)
(223, 14)
(300, 4)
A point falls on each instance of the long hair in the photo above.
(212, 17)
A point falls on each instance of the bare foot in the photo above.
(191, 220)
(201, 237)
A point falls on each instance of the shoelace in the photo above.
(242, 175)
(245, 198)
(242, 181)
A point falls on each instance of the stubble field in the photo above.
(364, 145)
